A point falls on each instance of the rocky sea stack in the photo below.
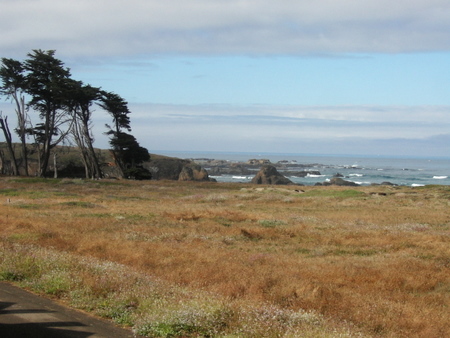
(270, 175)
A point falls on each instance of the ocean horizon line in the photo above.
(255, 154)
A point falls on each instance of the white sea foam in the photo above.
(312, 175)
(240, 178)
(357, 175)
(417, 185)
(440, 177)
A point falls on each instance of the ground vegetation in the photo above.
(190, 259)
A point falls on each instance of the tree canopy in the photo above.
(41, 86)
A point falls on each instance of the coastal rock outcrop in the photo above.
(270, 175)
(193, 172)
(342, 182)
(168, 168)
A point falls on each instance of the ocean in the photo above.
(364, 170)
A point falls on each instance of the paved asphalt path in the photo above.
(24, 314)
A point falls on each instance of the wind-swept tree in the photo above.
(46, 81)
(82, 97)
(127, 152)
(13, 85)
(117, 107)
(64, 107)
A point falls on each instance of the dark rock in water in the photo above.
(341, 182)
(384, 183)
(258, 162)
(305, 173)
(270, 175)
(338, 175)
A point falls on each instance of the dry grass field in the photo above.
(234, 260)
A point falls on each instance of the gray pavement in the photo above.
(24, 314)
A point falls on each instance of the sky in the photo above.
(347, 77)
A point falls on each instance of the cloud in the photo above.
(369, 130)
(115, 27)
(350, 114)
(326, 129)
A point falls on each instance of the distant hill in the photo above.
(69, 164)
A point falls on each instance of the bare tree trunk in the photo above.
(95, 165)
(55, 171)
(83, 139)
(4, 126)
(2, 162)
(21, 129)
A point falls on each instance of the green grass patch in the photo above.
(173, 330)
(270, 223)
(357, 252)
(23, 237)
(303, 251)
(95, 215)
(34, 180)
(28, 206)
(9, 192)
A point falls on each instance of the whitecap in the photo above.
(358, 175)
(240, 177)
(312, 175)
(417, 185)
(440, 177)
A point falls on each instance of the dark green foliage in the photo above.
(127, 152)
(72, 170)
(12, 77)
(138, 173)
(117, 107)
(64, 108)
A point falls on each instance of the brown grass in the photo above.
(377, 257)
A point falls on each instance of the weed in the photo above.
(303, 251)
(271, 223)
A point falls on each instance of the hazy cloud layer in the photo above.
(370, 130)
(117, 27)
(418, 130)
